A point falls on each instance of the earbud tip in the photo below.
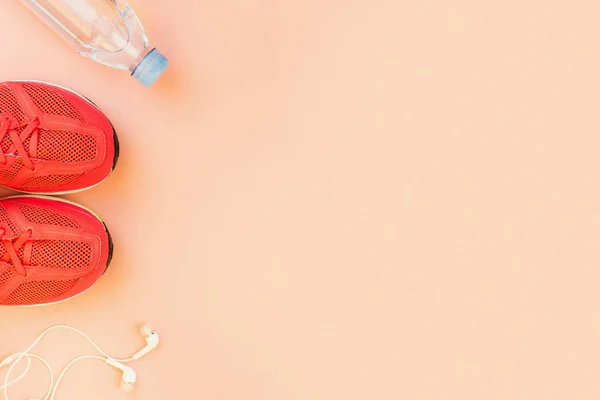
(146, 330)
(126, 386)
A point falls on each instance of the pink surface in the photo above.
(341, 200)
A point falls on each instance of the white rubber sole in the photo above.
(97, 108)
(73, 204)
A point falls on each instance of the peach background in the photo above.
(341, 199)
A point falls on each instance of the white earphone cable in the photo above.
(6, 384)
(14, 363)
(70, 328)
(64, 371)
(53, 385)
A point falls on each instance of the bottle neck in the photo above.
(138, 60)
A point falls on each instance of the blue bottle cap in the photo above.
(150, 68)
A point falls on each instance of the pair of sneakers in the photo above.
(52, 141)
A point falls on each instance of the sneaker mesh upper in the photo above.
(39, 215)
(38, 292)
(70, 153)
(6, 275)
(51, 102)
(7, 175)
(74, 254)
(65, 146)
(49, 181)
(62, 242)
(5, 219)
(9, 105)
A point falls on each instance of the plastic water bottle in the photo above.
(107, 31)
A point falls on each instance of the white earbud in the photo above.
(129, 376)
(152, 340)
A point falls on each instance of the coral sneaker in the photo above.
(50, 250)
(52, 140)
